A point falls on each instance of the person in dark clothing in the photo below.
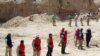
(62, 44)
(81, 34)
(49, 53)
(8, 45)
(88, 37)
(50, 45)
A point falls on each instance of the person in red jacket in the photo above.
(77, 37)
(61, 33)
(64, 42)
(21, 48)
(50, 45)
(65, 37)
(37, 46)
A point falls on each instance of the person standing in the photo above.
(54, 20)
(70, 20)
(9, 45)
(88, 19)
(76, 19)
(81, 38)
(88, 37)
(50, 45)
(81, 20)
(77, 37)
(21, 49)
(36, 46)
(61, 33)
(64, 42)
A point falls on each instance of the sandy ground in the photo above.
(28, 33)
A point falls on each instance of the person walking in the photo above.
(50, 45)
(36, 46)
(9, 45)
(88, 37)
(21, 49)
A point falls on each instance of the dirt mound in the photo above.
(24, 21)
(15, 22)
(42, 18)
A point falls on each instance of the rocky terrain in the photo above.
(12, 8)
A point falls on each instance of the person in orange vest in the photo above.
(50, 45)
(37, 46)
(21, 48)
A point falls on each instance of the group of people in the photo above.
(76, 18)
(79, 38)
(36, 43)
